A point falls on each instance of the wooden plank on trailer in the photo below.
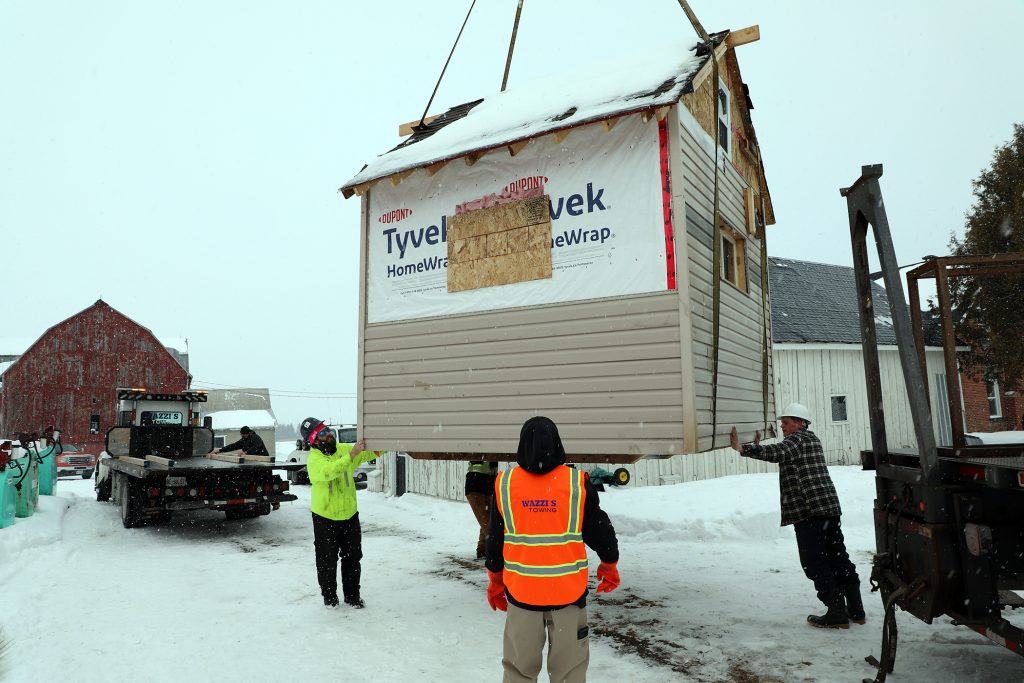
(168, 462)
(142, 462)
(239, 459)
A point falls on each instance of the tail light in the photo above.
(284, 485)
(266, 488)
(202, 491)
(252, 489)
(181, 492)
(154, 492)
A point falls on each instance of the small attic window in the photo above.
(724, 116)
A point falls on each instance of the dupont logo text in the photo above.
(529, 183)
(394, 216)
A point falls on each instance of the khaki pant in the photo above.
(568, 644)
(480, 503)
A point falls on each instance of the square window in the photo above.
(839, 409)
(218, 442)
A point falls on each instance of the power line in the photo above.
(287, 393)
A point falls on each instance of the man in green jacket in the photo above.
(336, 532)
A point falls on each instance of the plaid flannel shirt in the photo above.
(804, 484)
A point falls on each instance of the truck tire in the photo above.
(130, 497)
(621, 476)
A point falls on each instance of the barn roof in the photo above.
(816, 303)
(646, 79)
(13, 348)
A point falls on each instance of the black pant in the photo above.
(336, 540)
(824, 558)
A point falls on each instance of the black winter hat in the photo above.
(310, 425)
(540, 447)
(244, 430)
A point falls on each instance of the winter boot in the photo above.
(356, 602)
(835, 617)
(330, 601)
(854, 606)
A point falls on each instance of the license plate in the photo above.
(175, 481)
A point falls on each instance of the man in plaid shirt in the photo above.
(810, 504)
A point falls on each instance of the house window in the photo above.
(734, 258)
(218, 442)
(839, 409)
(724, 116)
(995, 408)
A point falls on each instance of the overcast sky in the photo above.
(181, 160)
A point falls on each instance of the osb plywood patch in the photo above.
(500, 245)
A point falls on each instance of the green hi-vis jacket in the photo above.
(331, 476)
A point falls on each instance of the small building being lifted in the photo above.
(590, 248)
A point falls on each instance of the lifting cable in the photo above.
(766, 320)
(512, 45)
(716, 231)
(419, 125)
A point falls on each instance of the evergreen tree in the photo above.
(991, 308)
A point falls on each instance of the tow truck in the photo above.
(159, 461)
(949, 521)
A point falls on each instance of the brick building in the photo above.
(989, 406)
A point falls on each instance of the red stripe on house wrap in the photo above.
(666, 204)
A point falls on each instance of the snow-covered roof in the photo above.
(236, 419)
(643, 80)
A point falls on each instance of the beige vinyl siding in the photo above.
(740, 384)
(606, 371)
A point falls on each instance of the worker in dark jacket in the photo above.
(810, 504)
(543, 514)
(250, 444)
(480, 477)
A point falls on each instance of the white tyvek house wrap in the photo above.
(607, 225)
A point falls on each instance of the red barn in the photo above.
(68, 376)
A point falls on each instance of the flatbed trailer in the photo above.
(949, 521)
(161, 461)
(155, 489)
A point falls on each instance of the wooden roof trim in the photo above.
(407, 128)
(743, 36)
(705, 70)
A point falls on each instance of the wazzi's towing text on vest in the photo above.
(573, 205)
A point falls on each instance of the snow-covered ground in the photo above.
(711, 591)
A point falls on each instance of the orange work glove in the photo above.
(608, 576)
(496, 592)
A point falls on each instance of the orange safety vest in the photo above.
(545, 559)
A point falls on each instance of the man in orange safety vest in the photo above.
(544, 513)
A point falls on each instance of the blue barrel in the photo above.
(48, 472)
(8, 498)
(28, 495)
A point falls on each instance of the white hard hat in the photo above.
(797, 410)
